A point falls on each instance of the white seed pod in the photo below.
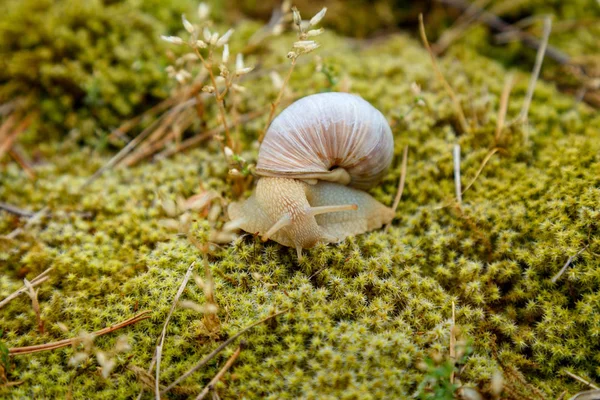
(336, 137)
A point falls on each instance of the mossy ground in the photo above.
(365, 312)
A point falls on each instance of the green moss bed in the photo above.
(366, 316)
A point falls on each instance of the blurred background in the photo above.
(83, 67)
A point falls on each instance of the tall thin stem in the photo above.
(277, 101)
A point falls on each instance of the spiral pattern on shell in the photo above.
(324, 132)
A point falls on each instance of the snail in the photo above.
(317, 158)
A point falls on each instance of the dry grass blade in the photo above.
(277, 101)
(16, 210)
(569, 261)
(539, 59)
(221, 372)
(457, 183)
(16, 154)
(483, 164)
(196, 140)
(455, 102)
(580, 379)
(508, 84)
(400, 184)
(33, 295)
(8, 139)
(163, 334)
(453, 339)
(132, 144)
(216, 351)
(38, 280)
(68, 342)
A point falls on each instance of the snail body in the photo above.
(317, 158)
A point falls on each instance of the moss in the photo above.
(365, 312)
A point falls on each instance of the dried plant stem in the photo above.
(196, 140)
(15, 210)
(218, 96)
(216, 351)
(457, 183)
(221, 372)
(453, 339)
(508, 84)
(483, 164)
(275, 104)
(133, 143)
(400, 184)
(580, 379)
(456, 103)
(35, 304)
(16, 154)
(569, 261)
(7, 139)
(539, 59)
(38, 280)
(158, 355)
(68, 342)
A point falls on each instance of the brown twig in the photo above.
(483, 164)
(217, 350)
(221, 372)
(68, 342)
(38, 280)
(455, 102)
(400, 185)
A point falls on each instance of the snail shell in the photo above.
(336, 137)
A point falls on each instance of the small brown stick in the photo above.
(457, 108)
(33, 295)
(508, 83)
(483, 164)
(217, 350)
(457, 183)
(580, 379)
(569, 261)
(221, 372)
(161, 341)
(16, 210)
(539, 59)
(400, 185)
(277, 101)
(68, 342)
(38, 280)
